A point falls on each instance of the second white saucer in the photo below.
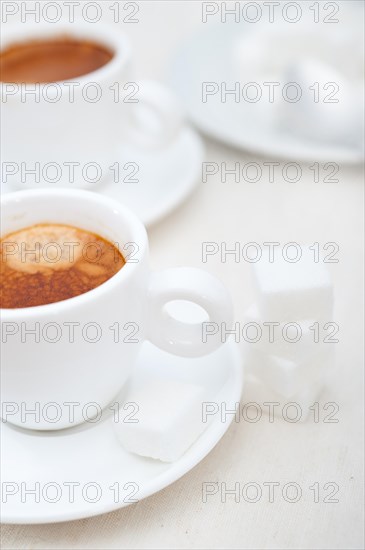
(160, 180)
(152, 183)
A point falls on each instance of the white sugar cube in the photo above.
(296, 409)
(169, 419)
(287, 290)
(290, 340)
(337, 122)
(287, 377)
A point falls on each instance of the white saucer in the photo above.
(207, 57)
(165, 177)
(91, 453)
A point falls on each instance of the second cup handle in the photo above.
(157, 102)
(191, 285)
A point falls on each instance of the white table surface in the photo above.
(305, 453)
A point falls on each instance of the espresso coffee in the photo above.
(51, 60)
(47, 263)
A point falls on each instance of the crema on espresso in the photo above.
(47, 263)
(52, 60)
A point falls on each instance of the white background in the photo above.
(305, 453)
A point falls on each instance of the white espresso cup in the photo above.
(73, 133)
(63, 358)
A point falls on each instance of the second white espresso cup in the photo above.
(61, 357)
(74, 133)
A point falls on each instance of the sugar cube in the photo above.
(288, 290)
(296, 409)
(289, 340)
(168, 421)
(288, 377)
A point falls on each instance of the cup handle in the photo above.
(156, 118)
(192, 285)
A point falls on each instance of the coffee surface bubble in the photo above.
(43, 249)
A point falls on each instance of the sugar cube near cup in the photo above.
(288, 290)
(286, 376)
(168, 421)
(290, 340)
(296, 409)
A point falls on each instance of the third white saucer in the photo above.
(207, 58)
